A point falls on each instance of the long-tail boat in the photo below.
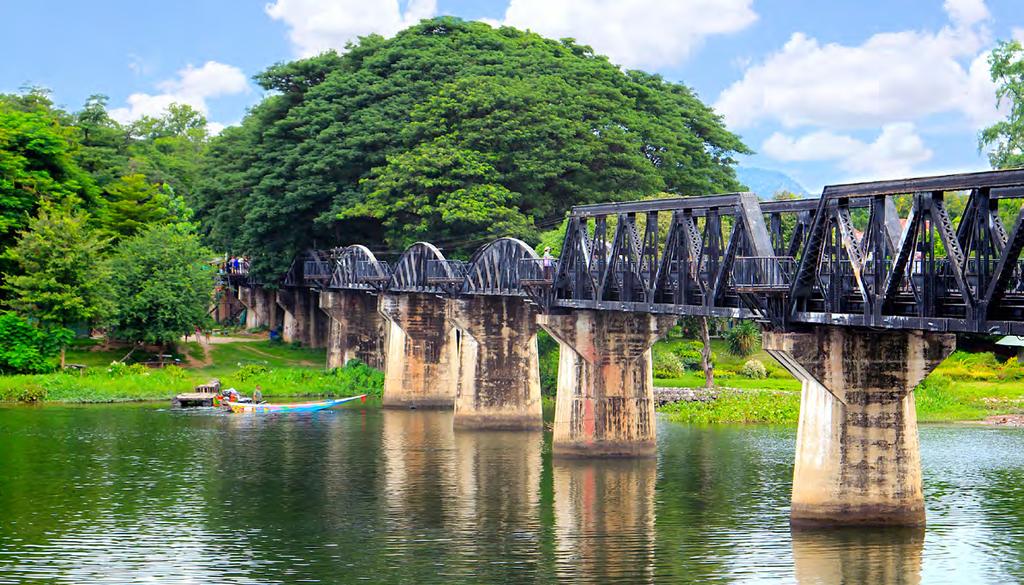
(265, 408)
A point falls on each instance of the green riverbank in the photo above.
(965, 387)
(280, 371)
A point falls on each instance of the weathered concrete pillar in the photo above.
(260, 304)
(304, 322)
(317, 321)
(857, 455)
(605, 403)
(498, 368)
(422, 352)
(357, 329)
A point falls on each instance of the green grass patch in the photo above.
(731, 406)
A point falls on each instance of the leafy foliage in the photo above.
(450, 130)
(25, 348)
(132, 204)
(743, 339)
(36, 162)
(754, 370)
(1005, 138)
(162, 282)
(62, 279)
(667, 364)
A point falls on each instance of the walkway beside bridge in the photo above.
(860, 292)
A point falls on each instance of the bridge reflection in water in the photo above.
(858, 555)
(604, 519)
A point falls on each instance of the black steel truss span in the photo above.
(888, 254)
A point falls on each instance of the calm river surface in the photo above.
(138, 493)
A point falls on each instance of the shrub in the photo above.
(667, 364)
(743, 339)
(754, 369)
(251, 371)
(359, 378)
(175, 372)
(25, 348)
(690, 353)
(121, 369)
(547, 347)
(31, 393)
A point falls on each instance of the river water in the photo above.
(138, 493)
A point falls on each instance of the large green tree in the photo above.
(451, 131)
(1004, 140)
(36, 162)
(163, 284)
(62, 280)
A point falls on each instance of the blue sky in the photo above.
(824, 91)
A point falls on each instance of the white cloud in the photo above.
(966, 12)
(1018, 33)
(896, 151)
(891, 77)
(634, 33)
(318, 25)
(192, 86)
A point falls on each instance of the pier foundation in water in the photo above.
(605, 402)
(498, 367)
(421, 362)
(857, 455)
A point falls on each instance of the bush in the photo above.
(358, 378)
(25, 348)
(251, 371)
(667, 364)
(690, 353)
(121, 369)
(743, 339)
(547, 347)
(754, 369)
(31, 393)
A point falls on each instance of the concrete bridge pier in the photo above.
(498, 368)
(605, 403)
(303, 320)
(357, 329)
(422, 348)
(261, 306)
(857, 455)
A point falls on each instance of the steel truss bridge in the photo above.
(886, 254)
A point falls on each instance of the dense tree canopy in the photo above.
(1005, 139)
(451, 131)
(62, 279)
(163, 285)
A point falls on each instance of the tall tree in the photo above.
(450, 130)
(62, 280)
(131, 204)
(162, 280)
(36, 162)
(1005, 139)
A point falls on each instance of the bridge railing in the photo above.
(447, 274)
(373, 273)
(537, 271)
(763, 273)
(317, 271)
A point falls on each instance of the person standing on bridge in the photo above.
(547, 261)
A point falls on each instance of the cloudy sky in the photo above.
(824, 91)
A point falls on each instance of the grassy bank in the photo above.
(280, 370)
(966, 386)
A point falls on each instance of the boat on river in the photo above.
(265, 408)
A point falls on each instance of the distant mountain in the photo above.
(766, 182)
